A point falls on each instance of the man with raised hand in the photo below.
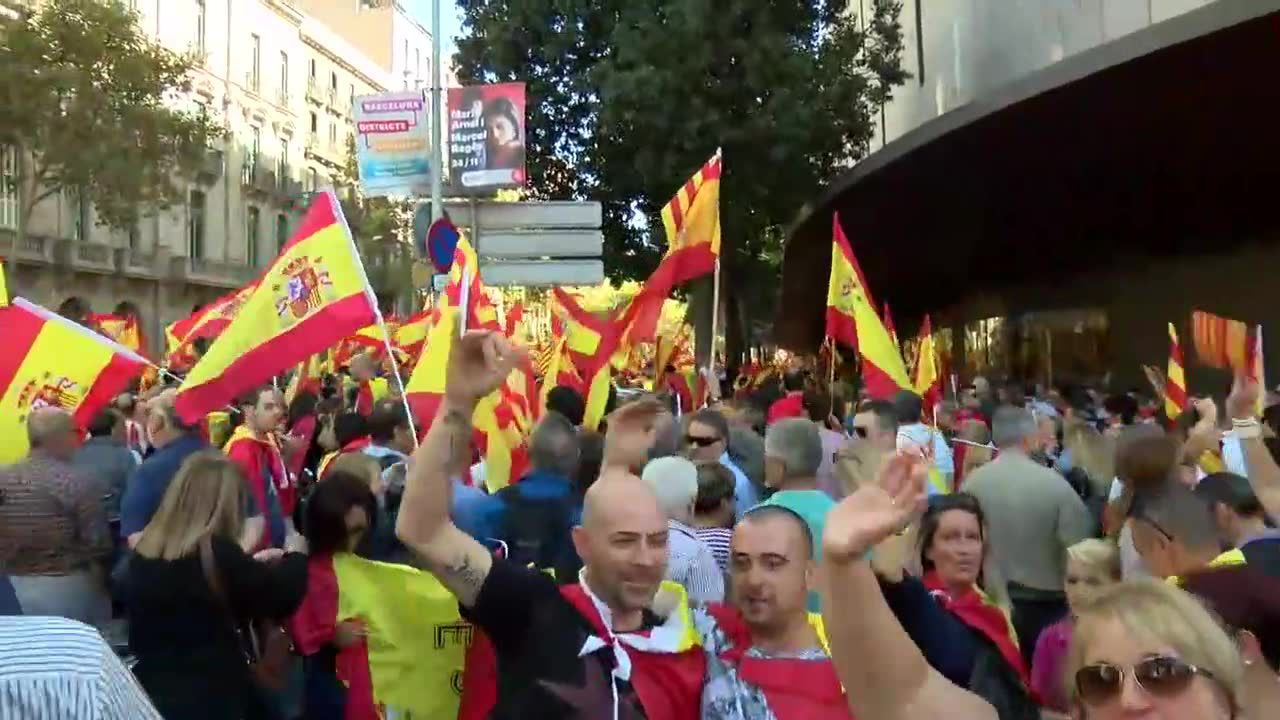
(611, 645)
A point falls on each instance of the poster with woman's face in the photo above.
(487, 136)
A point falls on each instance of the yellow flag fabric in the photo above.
(50, 361)
(1175, 381)
(313, 295)
(883, 371)
(4, 288)
(692, 217)
(417, 640)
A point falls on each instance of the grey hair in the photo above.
(795, 441)
(164, 403)
(1010, 426)
(554, 445)
(675, 482)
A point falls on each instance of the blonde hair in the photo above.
(358, 464)
(1159, 612)
(1101, 557)
(1091, 451)
(205, 498)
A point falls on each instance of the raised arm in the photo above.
(1263, 473)
(899, 685)
(478, 364)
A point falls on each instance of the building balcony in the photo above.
(315, 93)
(203, 271)
(253, 82)
(282, 98)
(211, 168)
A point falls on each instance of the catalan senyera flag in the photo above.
(4, 288)
(692, 223)
(883, 371)
(1258, 371)
(1222, 343)
(927, 382)
(1175, 380)
(50, 361)
(590, 343)
(311, 296)
(412, 656)
(412, 333)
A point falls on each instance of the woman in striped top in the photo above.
(713, 511)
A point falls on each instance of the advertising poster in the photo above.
(486, 136)
(393, 143)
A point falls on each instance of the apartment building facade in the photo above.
(281, 82)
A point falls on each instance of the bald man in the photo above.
(579, 650)
(54, 539)
(765, 658)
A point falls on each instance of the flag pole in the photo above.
(715, 314)
(395, 370)
(831, 377)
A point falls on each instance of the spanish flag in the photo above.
(208, 323)
(412, 658)
(928, 380)
(888, 325)
(123, 330)
(883, 371)
(692, 223)
(314, 294)
(1175, 380)
(50, 361)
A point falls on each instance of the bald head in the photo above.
(52, 430)
(617, 492)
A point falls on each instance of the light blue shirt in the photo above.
(468, 508)
(1233, 454)
(921, 435)
(745, 496)
(812, 506)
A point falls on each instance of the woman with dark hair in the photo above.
(504, 146)
(951, 612)
(340, 513)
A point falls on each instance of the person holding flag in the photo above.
(254, 449)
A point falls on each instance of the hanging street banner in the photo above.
(486, 136)
(393, 143)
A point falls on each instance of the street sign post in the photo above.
(533, 243)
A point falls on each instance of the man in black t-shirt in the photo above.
(589, 650)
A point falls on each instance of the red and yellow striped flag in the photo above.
(123, 330)
(412, 334)
(1221, 343)
(312, 295)
(883, 371)
(50, 361)
(888, 325)
(590, 344)
(692, 223)
(1175, 380)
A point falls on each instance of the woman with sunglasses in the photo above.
(952, 612)
(1145, 649)
(339, 514)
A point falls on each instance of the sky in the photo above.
(450, 18)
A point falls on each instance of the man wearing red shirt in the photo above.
(253, 447)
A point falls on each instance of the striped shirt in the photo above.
(718, 540)
(690, 563)
(51, 668)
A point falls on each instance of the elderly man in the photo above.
(590, 649)
(765, 658)
(534, 518)
(53, 527)
(174, 441)
(706, 436)
(792, 455)
(690, 561)
(1033, 516)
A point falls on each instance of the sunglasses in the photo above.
(1160, 676)
(700, 440)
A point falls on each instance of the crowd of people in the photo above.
(782, 553)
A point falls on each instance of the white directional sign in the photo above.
(533, 243)
(542, 272)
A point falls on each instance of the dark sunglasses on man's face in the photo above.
(700, 440)
(1160, 676)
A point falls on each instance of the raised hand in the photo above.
(876, 510)
(479, 362)
(1242, 403)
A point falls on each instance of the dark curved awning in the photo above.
(1165, 141)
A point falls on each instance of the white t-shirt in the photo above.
(1131, 564)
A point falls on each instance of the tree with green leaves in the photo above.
(628, 98)
(94, 106)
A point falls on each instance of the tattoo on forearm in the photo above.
(463, 572)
